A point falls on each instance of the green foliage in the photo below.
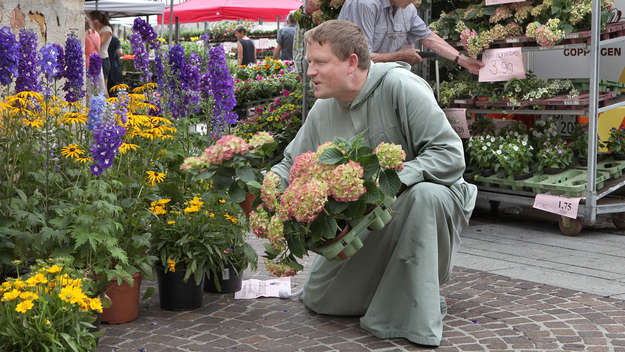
(616, 140)
(515, 156)
(554, 154)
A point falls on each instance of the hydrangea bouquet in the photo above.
(333, 195)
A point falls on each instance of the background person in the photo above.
(246, 51)
(284, 49)
(393, 281)
(393, 26)
(115, 53)
(100, 23)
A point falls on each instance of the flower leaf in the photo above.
(223, 179)
(336, 207)
(370, 164)
(246, 174)
(323, 226)
(390, 183)
(237, 193)
(331, 156)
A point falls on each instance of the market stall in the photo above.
(217, 10)
(125, 8)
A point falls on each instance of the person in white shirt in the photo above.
(100, 23)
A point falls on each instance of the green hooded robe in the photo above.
(393, 281)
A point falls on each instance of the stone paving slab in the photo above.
(487, 312)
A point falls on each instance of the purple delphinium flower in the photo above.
(97, 105)
(222, 86)
(205, 37)
(73, 69)
(148, 35)
(9, 59)
(48, 56)
(107, 134)
(190, 81)
(176, 60)
(94, 69)
(27, 67)
(159, 71)
(142, 60)
(60, 60)
(205, 81)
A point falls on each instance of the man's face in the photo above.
(328, 73)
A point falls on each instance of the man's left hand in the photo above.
(470, 64)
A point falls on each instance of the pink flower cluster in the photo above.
(225, 149)
(335, 4)
(549, 34)
(346, 182)
(304, 200)
(501, 13)
(270, 190)
(279, 270)
(390, 156)
(260, 138)
(465, 35)
(259, 222)
(304, 166)
(275, 233)
(192, 162)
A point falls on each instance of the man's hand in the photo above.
(410, 56)
(470, 64)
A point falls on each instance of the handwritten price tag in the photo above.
(458, 121)
(557, 204)
(497, 2)
(502, 65)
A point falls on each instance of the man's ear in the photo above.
(353, 62)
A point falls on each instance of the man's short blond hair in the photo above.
(345, 38)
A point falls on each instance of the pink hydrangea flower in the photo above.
(259, 222)
(304, 200)
(335, 4)
(346, 182)
(390, 156)
(225, 149)
(304, 166)
(270, 190)
(465, 35)
(260, 138)
(192, 162)
(279, 270)
(317, 17)
(275, 233)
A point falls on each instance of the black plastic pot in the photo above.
(553, 170)
(487, 172)
(523, 176)
(229, 281)
(176, 294)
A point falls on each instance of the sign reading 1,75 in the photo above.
(565, 205)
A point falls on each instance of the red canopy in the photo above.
(217, 10)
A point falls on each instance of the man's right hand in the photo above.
(410, 56)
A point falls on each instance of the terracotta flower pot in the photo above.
(246, 205)
(125, 300)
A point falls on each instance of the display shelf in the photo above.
(615, 103)
(527, 112)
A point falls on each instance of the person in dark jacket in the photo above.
(115, 75)
(246, 52)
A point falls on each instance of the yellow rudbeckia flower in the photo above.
(154, 177)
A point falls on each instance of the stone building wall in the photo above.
(52, 20)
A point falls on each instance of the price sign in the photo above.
(502, 65)
(498, 2)
(557, 204)
(458, 121)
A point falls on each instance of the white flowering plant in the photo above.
(483, 152)
(337, 188)
(544, 131)
(515, 156)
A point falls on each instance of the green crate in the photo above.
(501, 181)
(570, 183)
(614, 167)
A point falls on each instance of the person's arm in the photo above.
(239, 53)
(408, 55)
(120, 52)
(105, 36)
(442, 48)
(276, 52)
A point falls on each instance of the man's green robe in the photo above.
(393, 281)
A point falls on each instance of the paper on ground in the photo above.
(263, 288)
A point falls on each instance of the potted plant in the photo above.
(333, 194)
(482, 154)
(230, 227)
(482, 127)
(554, 157)
(185, 247)
(515, 157)
(48, 309)
(616, 143)
(578, 143)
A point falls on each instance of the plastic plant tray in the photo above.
(571, 183)
(349, 244)
(614, 167)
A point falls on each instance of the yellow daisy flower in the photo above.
(54, 269)
(154, 177)
(11, 295)
(83, 160)
(171, 222)
(117, 87)
(72, 151)
(24, 306)
(222, 201)
(125, 147)
(171, 265)
(95, 304)
(71, 118)
(35, 123)
(29, 296)
(163, 201)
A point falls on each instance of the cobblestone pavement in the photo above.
(487, 312)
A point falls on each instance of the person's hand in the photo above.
(470, 64)
(410, 56)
